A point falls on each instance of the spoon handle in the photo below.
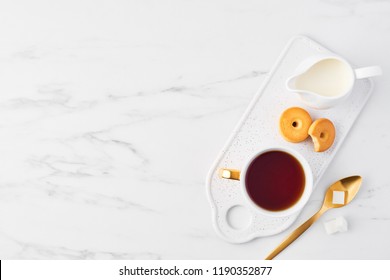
(295, 234)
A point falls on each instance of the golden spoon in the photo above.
(350, 186)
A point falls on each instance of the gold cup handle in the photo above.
(232, 174)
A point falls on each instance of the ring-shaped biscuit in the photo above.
(294, 124)
(323, 133)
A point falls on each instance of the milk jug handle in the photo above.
(366, 72)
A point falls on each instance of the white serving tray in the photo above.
(258, 128)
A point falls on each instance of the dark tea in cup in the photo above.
(275, 180)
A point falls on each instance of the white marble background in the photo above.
(111, 113)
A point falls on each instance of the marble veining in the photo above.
(111, 116)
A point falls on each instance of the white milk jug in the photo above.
(323, 81)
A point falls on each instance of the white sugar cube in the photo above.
(338, 197)
(342, 224)
(331, 226)
(338, 224)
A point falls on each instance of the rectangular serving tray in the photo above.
(258, 128)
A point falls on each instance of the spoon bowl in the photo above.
(349, 185)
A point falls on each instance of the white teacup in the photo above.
(271, 165)
(323, 81)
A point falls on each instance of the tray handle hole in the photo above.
(238, 217)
